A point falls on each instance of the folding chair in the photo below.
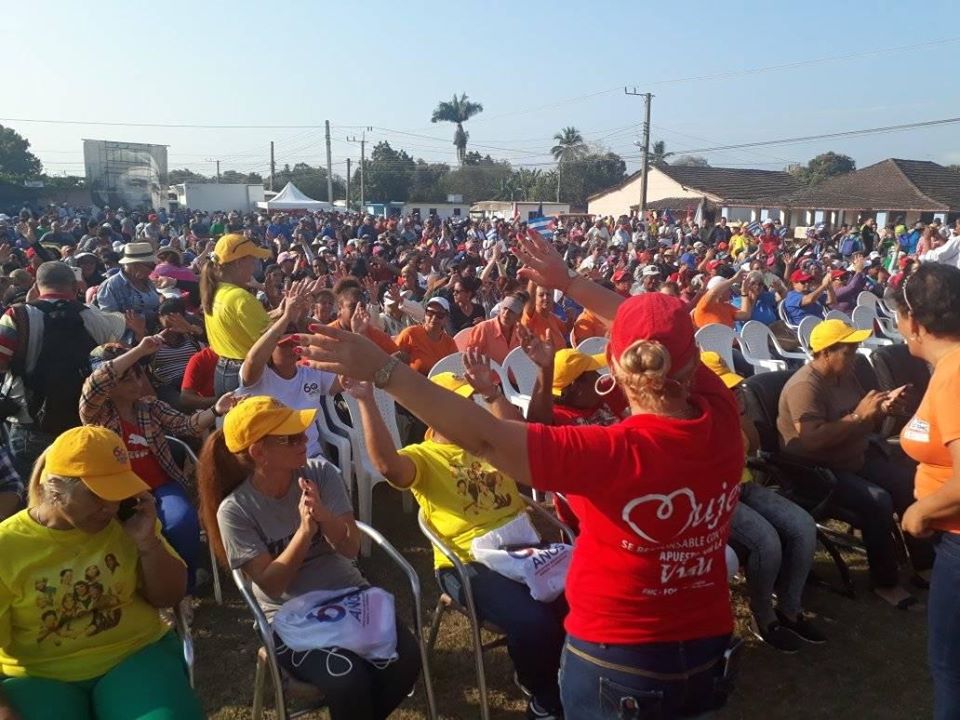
(192, 456)
(267, 653)
(469, 609)
(593, 345)
(756, 338)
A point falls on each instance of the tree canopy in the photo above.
(823, 166)
(457, 111)
(16, 160)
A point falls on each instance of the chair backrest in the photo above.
(895, 366)
(756, 337)
(804, 329)
(462, 338)
(593, 345)
(865, 374)
(761, 394)
(864, 316)
(523, 370)
(782, 312)
(838, 315)
(388, 411)
(867, 299)
(719, 339)
(451, 363)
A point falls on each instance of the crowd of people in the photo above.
(228, 331)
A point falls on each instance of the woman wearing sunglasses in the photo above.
(288, 524)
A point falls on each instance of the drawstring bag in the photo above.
(361, 620)
(515, 551)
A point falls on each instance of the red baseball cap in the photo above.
(800, 276)
(654, 316)
(620, 276)
(714, 264)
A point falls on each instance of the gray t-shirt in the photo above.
(252, 523)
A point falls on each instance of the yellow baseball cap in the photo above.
(569, 364)
(831, 332)
(234, 246)
(258, 416)
(715, 363)
(454, 383)
(99, 458)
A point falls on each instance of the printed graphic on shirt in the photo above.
(917, 430)
(137, 446)
(80, 603)
(482, 490)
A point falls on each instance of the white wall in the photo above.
(219, 196)
(659, 187)
(442, 210)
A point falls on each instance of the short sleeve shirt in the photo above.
(252, 524)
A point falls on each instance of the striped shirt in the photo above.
(170, 362)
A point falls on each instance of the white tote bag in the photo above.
(361, 620)
(515, 551)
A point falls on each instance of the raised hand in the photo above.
(540, 351)
(341, 352)
(360, 320)
(359, 389)
(149, 345)
(478, 372)
(542, 263)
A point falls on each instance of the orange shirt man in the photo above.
(427, 343)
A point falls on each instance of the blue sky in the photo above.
(536, 67)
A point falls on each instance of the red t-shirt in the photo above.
(198, 375)
(142, 460)
(654, 497)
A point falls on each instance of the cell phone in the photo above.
(127, 509)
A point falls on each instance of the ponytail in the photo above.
(210, 280)
(219, 473)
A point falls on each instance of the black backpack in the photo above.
(53, 389)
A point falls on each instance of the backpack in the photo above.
(53, 388)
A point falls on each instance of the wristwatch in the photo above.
(382, 376)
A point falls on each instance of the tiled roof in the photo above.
(733, 185)
(891, 184)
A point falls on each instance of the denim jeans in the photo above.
(780, 538)
(650, 681)
(226, 376)
(180, 526)
(943, 615)
(27, 445)
(534, 629)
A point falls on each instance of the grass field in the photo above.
(872, 668)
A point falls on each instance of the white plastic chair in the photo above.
(342, 445)
(451, 363)
(867, 298)
(755, 339)
(885, 333)
(838, 315)
(719, 339)
(782, 312)
(524, 372)
(806, 327)
(462, 338)
(593, 345)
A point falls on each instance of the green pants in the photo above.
(151, 684)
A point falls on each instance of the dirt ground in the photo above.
(873, 666)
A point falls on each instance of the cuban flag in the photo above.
(755, 227)
(543, 225)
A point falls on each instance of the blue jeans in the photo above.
(650, 681)
(226, 376)
(943, 615)
(780, 538)
(534, 629)
(27, 444)
(180, 526)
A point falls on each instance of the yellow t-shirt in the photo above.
(237, 322)
(462, 496)
(69, 606)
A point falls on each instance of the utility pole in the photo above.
(363, 160)
(273, 165)
(348, 184)
(218, 168)
(645, 160)
(329, 167)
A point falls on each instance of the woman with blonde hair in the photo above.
(83, 572)
(649, 628)
(288, 524)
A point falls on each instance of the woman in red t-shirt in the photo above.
(650, 618)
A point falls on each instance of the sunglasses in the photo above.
(435, 313)
(294, 439)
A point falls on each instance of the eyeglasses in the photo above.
(435, 313)
(294, 439)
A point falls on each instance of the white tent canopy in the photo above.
(292, 198)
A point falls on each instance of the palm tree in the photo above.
(506, 189)
(658, 153)
(569, 146)
(458, 111)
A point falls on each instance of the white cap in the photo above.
(714, 281)
(651, 271)
(441, 301)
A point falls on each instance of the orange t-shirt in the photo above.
(424, 352)
(713, 312)
(588, 325)
(935, 425)
(378, 337)
(488, 337)
(538, 325)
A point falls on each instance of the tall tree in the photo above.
(691, 161)
(570, 146)
(823, 166)
(16, 160)
(458, 110)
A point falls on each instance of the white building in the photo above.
(211, 197)
(524, 209)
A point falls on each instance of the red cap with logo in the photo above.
(800, 276)
(659, 317)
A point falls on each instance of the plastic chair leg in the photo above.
(215, 571)
(259, 680)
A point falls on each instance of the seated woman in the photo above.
(465, 312)
(826, 417)
(780, 539)
(181, 341)
(464, 498)
(287, 523)
(80, 635)
(113, 397)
